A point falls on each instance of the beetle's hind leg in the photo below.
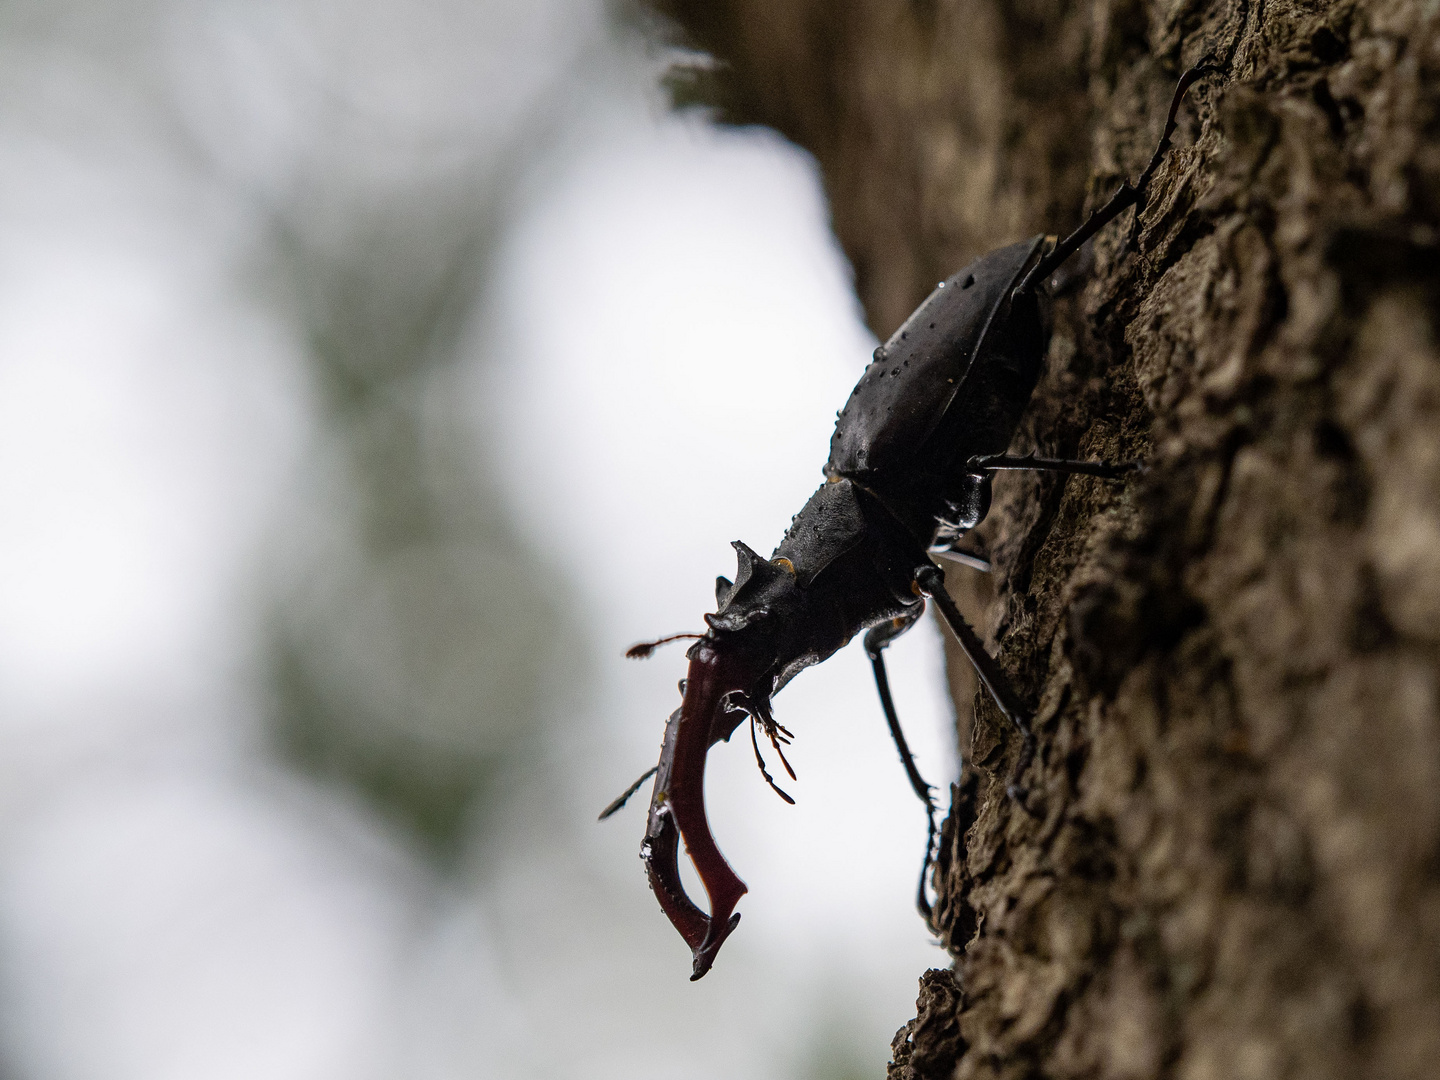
(932, 583)
(876, 641)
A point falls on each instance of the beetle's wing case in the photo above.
(914, 377)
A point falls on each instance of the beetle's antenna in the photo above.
(624, 798)
(645, 648)
(761, 762)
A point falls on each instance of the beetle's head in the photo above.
(753, 646)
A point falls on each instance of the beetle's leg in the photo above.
(968, 558)
(1127, 196)
(876, 640)
(1074, 273)
(949, 533)
(932, 583)
(1031, 463)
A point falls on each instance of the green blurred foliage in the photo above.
(410, 658)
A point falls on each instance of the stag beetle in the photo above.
(910, 469)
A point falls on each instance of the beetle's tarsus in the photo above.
(922, 900)
(1126, 196)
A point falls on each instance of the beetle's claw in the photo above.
(661, 854)
(704, 956)
(677, 808)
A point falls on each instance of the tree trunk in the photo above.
(1232, 868)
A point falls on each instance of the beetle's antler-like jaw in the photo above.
(677, 808)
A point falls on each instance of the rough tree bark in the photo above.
(1235, 867)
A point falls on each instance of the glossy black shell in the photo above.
(950, 384)
(909, 386)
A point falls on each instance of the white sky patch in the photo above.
(165, 909)
(139, 455)
(184, 927)
(678, 329)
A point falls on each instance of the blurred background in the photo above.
(371, 375)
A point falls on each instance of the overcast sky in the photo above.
(654, 330)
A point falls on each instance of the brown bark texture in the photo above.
(1233, 864)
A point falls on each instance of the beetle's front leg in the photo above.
(931, 582)
(1126, 196)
